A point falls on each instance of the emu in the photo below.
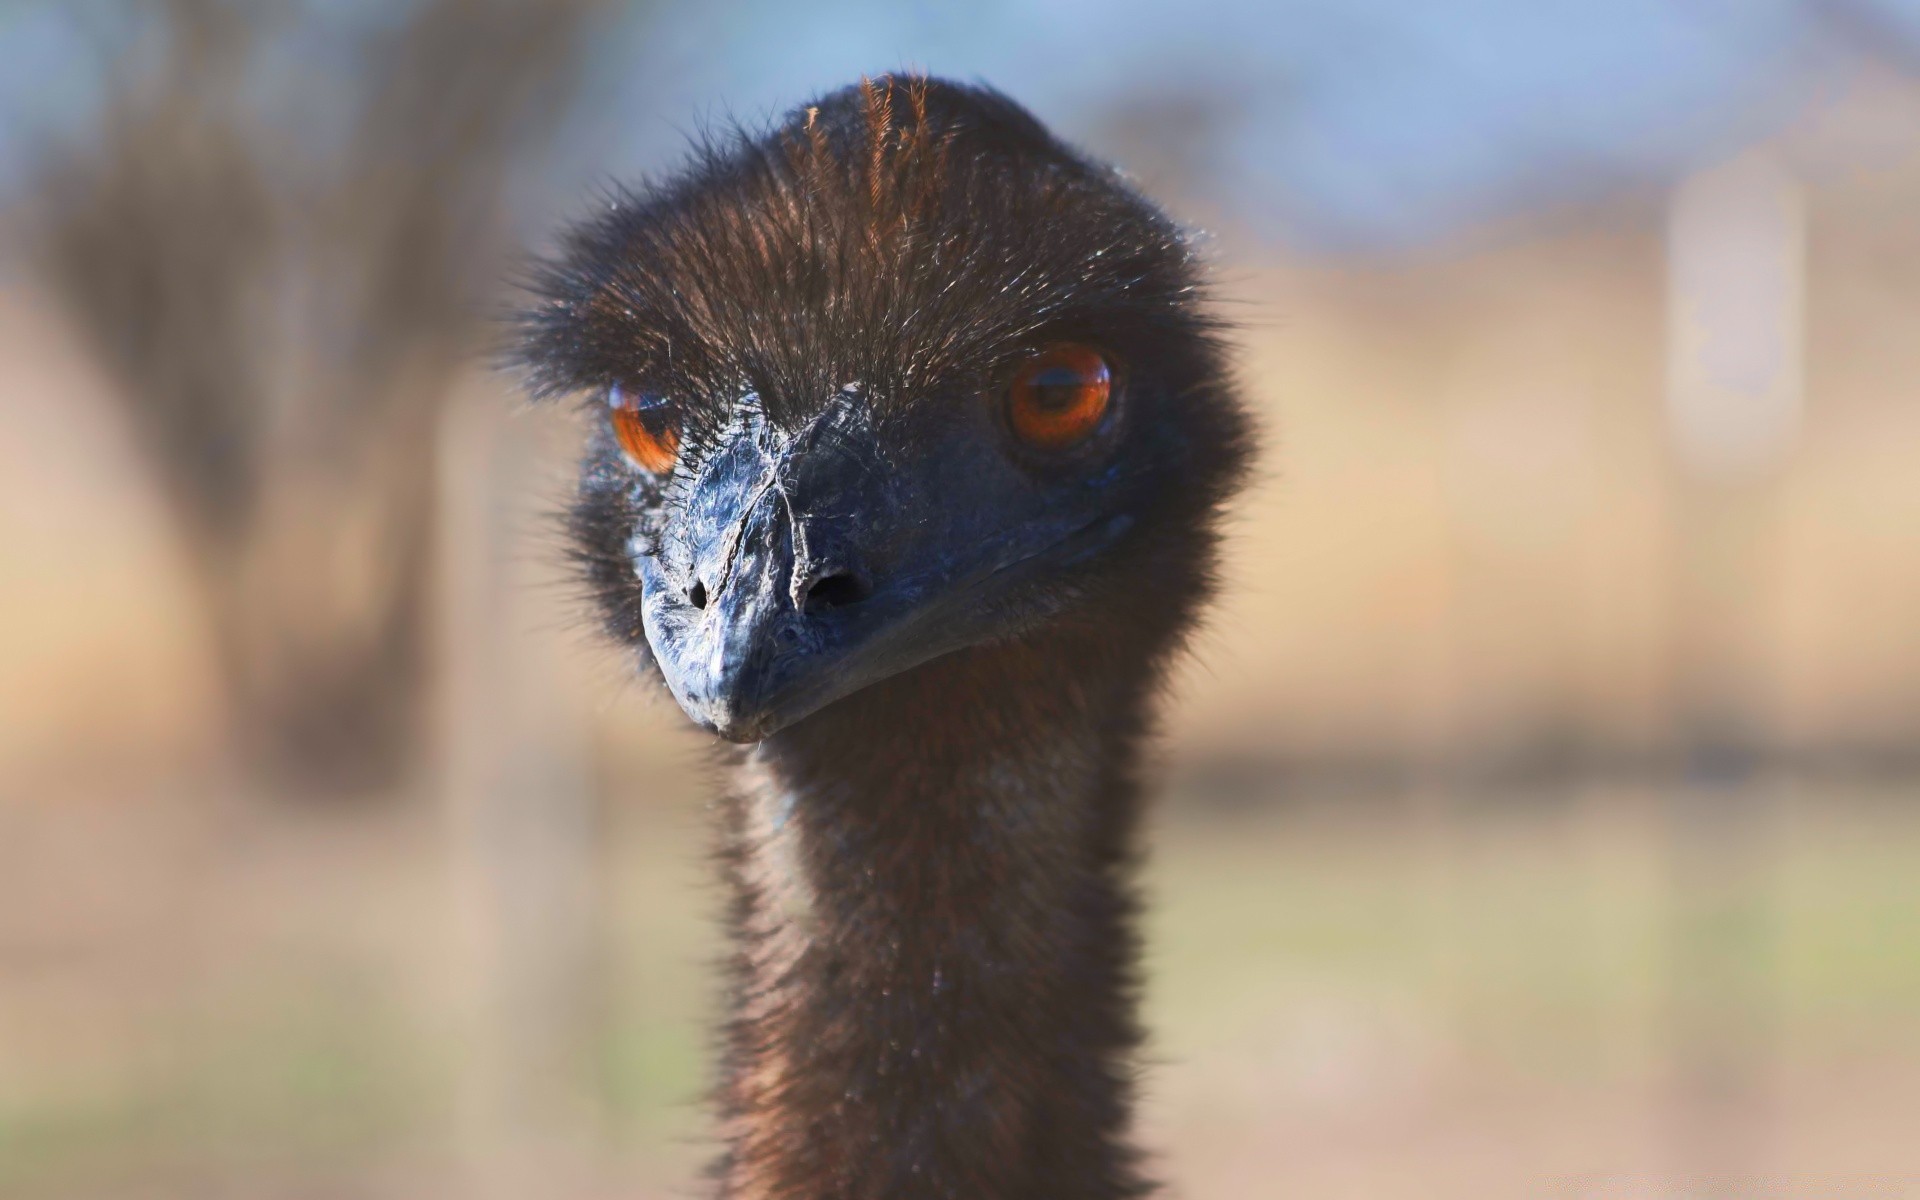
(909, 435)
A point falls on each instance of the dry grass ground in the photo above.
(1410, 995)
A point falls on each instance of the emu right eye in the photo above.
(647, 426)
(1059, 396)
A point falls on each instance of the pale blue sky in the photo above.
(1345, 124)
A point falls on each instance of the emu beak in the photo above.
(734, 665)
(763, 610)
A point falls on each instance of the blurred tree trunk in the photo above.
(285, 309)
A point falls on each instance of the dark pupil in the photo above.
(1057, 388)
(654, 420)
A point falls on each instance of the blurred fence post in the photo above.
(522, 816)
(1736, 327)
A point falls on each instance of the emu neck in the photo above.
(934, 943)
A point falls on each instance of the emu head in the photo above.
(902, 376)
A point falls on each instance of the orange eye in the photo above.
(648, 429)
(1059, 395)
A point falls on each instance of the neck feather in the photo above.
(934, 946)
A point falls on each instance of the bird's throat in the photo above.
(934, 947)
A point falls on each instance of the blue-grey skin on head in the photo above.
(810, 563)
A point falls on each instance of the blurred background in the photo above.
(1541, 808)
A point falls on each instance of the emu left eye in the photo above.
(1058, 396)
(648, 428)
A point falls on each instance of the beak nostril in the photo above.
(697, 595)
(838, 590)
